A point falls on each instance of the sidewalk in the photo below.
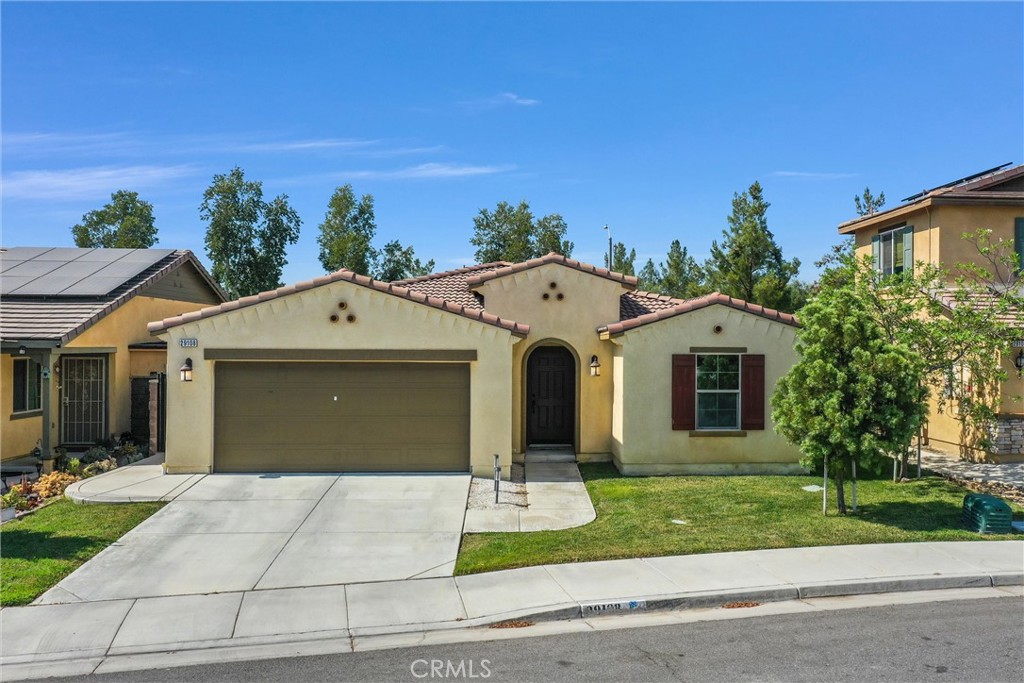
(77, 638)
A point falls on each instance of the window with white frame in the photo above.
(718, 391)
(27, 384)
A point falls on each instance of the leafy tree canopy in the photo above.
(622, 261)
(510, 233)
(347, 233)
(125, 223)
(246, 237)
(748, 264)
(399, 263)
(854, 394)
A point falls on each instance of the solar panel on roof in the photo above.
(11, 283)
(94, 285)
(45, 286)
(73, 272)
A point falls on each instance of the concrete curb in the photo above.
(112, 659)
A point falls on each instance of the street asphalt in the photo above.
(967, 640)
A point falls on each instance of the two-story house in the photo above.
(929, 227)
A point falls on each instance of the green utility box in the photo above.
(986, 514)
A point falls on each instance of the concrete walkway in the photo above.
(110, 635)
(1009, 474)
(557, 499)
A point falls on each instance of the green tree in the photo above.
(399, 263)
(622, 262)
(867, 203)
(246, 237)
(649, 277)
(748, 264)
(510, 233)
(125, 223)
(681, 276)
(853, 395)
(347, 233)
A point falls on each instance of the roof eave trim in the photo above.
(629, 282)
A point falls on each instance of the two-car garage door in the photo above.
(341, 417)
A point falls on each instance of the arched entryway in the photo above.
(551, 396)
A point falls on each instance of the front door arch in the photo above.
(550, 396)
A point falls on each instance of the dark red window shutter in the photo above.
(752, 391)
(684, 391)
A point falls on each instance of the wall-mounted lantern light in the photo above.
(22, 350)
(1019, 362)
(186, 371)
(595, 367)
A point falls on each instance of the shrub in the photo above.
(95, 454)
(99, 466)
(74, 467)
(53, 484)
(16, 499)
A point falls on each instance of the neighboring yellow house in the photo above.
(929, 227)
(76, 357)
(443, 372)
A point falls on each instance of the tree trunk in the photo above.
(840, 494)
(905, 463)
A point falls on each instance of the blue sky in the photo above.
(646, 117)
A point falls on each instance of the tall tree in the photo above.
(853, 394)
(748, 264)
(622, 262)
(347, 233)
(510, 233)
(246, 237)
(867, 204)
(649, 277)
(681, 276)
(399, 263)
(125, 223)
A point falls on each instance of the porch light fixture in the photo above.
(22, 350)
(1019, 362)
(595, 367)
(186, 371)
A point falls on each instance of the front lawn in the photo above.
(40, 549)
(634, 519)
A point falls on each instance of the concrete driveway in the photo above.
(234, 532)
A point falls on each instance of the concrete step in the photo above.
(550, 454)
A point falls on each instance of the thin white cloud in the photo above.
(431, 171)
(813, 175)
(300, 145)
(82, 183)
(502, 99)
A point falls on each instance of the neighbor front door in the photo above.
(83, 392)
(551, 396)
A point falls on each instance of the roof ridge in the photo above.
(617, 328)
(553, 257)
(449, 273)
(343, 275)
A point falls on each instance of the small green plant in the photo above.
(95, 454)
(74, 467)
(98, 467)
(16, 499)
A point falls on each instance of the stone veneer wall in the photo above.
(1008, 435)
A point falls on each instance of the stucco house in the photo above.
(929, 227)
(77, 360)
(442, 372)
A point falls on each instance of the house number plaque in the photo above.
(189, 342)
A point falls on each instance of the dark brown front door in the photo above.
(551, 396)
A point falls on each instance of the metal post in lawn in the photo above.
(824, 489)
(497, 477)
(854, 485)
(920, 435)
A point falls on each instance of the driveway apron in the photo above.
(235, 532)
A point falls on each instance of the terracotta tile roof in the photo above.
(515, 328)
(58, 318)
(636, 304)
(628, 281)
(980, 301)
(451, 284)
(686, 306)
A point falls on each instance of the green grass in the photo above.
(39, 550)
(634, 519)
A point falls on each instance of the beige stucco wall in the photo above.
(939, 230)
(589, 302)
(649, 445)
(301, 321)
(18, 435)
